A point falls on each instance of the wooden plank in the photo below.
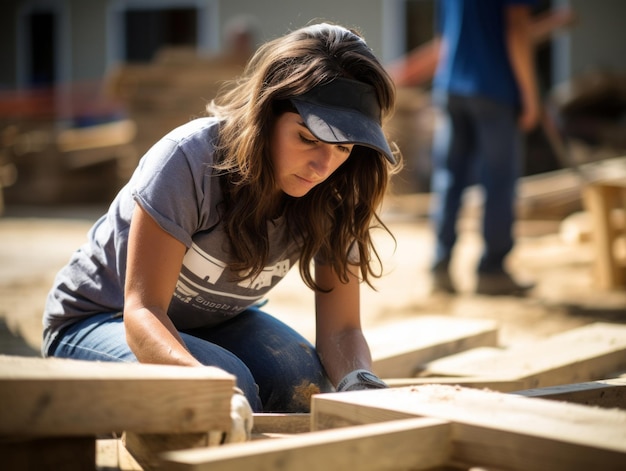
(600, 198)
(281, 423)
(401, 445)
(553, 205)
(146, 448)
(605, 393)
(588, 353)
(478, 382)
(458, 360)
(112, 455)
(54, 397)
(401, 348)
(92, 137)
(495, 430)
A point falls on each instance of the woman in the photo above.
(290, 167)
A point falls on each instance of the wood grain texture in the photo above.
(401, 445)
(496, 430)
(53, 397)
(588, 353)
(402, 348)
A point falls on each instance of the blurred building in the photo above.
(87, 85)
(46, 41)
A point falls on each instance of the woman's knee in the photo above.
(291, 377)
(100, 337)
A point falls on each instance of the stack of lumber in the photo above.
(557, 194)
(457, 400)
(170, 91)
(63, 144)
(75, 164)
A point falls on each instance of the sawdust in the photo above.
(302, 394)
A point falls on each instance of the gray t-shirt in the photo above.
(174, 182)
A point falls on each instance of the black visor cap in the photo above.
(344, 111)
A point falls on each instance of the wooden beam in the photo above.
(281, 423)
(99, 136)
(54, 397)
(402, 348)
(496, 430)
(457, 361)
(605, 393)
(588, 353)
(478, 382)
(600, 199)
(112, 455)
(401, 445)
(146, 448)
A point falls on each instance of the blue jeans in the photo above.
(478, 142)
(276, 367)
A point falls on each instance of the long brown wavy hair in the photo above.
(335, 217)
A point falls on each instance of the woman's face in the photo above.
(300, 160)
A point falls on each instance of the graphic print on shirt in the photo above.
(265, 277)
(202, 284)
(202, 265)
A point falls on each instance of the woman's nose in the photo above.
(322, 161)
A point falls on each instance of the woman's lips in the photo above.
(306, 181)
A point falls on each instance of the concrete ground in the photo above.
(36, 242)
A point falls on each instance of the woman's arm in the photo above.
(520, 49)
(339, 339)
(153, 265)
(154, 262)
(418, 66)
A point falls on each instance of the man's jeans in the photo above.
(276, 367)
(478, 141)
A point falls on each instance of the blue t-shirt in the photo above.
(476, 62)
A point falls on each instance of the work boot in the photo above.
(500, 284)
(441, 281)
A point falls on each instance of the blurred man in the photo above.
(485, 86)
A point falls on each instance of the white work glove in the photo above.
(358, 380)
(241, 417)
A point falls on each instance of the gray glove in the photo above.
(358, 380)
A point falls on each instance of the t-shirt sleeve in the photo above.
(170, 190)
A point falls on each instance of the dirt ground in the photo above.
(36, 242)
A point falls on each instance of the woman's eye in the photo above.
(307, 141)
(345, 149)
